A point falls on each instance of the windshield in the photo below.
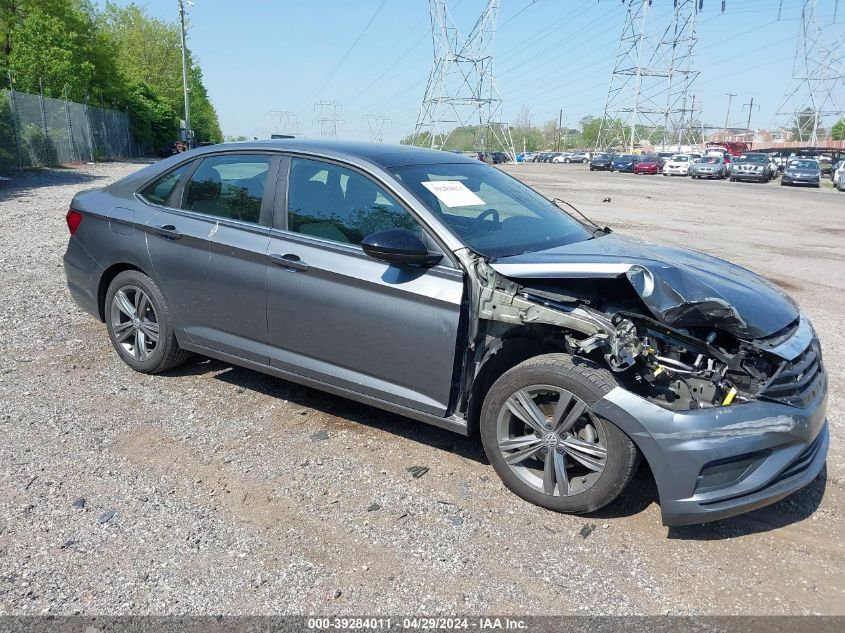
(492, 213)
(754, 158)
(709, 159)
(680, 159)
(625, 158)
(802, 164)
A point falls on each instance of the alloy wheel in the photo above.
(134, 322)
(551, 440)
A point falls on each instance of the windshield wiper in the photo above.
(604, 230)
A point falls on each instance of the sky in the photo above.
(373, 57)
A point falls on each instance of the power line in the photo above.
(328, 78)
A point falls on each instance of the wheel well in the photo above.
(505, 353)
(105, 280)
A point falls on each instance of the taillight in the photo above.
(74, 219)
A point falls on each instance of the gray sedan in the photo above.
(802, 171)
(435, 286)
(709, 167)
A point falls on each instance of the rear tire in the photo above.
(591, 459)
(139, 324)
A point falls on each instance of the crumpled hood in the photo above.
(680, 287)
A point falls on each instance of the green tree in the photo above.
(51, 50)
(837, 132)
(148, 50)
(151, 120)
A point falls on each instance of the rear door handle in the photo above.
(289, 261)
(168, 231)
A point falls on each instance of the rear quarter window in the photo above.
(159, 191)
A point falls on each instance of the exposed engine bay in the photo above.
(684, 355)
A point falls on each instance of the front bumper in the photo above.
(750, 175)
(784, 448)
(675, 171)
(706, 174)
(797, 180)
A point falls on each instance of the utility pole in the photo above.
(188, 135)
(730, 96)
(750, 107)
(559, 126)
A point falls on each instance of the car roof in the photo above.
(382, 154)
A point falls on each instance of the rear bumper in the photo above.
(770, 450)
(83, 274)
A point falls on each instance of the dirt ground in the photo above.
(216, 490)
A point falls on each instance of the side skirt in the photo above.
(453, 423)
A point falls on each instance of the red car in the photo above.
(648, 165)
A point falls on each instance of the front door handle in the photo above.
(168, 231)
(289, 262)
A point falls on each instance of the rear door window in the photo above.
(229, 187)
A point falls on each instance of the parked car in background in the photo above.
(579, 157)
(601, 162)
(752, 166)
(500, 157)
(774, 166)
(838, 174)
(561, 157)
(176, 147)
(623, 163)
(678, 165)
(802, 171)
(665, 155)
(825, 164)
(484, 157)
(384, 274)
(708, 167)
(648, 165)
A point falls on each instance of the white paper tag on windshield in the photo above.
(453, 193)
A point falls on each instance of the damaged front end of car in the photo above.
(729, 411)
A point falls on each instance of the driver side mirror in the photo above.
(400, 247)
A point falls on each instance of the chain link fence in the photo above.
(38, 131)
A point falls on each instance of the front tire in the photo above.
(139, 324)
(545, 442)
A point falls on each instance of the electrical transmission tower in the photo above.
(328, 116)
(818, 75)
(461, 90)
(376, 126)
(284, 122)
(649, 99)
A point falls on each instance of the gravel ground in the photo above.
(216, 490)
